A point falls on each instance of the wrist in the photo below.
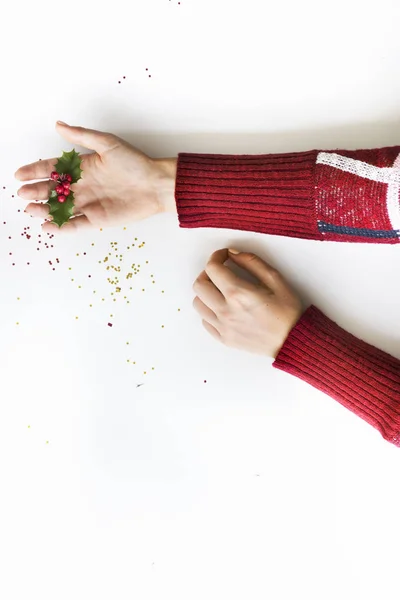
(165, 183)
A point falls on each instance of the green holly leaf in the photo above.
(70, 164)
(61, 211)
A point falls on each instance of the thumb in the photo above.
(88, 138)
(257, 267)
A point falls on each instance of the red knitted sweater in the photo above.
(347, 196)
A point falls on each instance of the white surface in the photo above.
(249, 486)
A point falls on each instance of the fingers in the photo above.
(99, 141)
(221, 276)
(38, 210)
(206, 313)
(41, 210)
(259, 268)
(40, 169)
(207, 292)
(212, 330)
(36, 191)
(77, 223)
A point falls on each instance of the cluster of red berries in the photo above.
(63, 185)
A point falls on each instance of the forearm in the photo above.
(350, 196)
(362, 378)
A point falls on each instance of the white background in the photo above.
(252, 485)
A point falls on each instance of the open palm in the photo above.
(118, 185)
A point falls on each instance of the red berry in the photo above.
(66, 185)
(66, 192)
(68, 178)
(60, 189)
(61, 198)
(54, 175)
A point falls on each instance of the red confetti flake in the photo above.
(205, 381)
(109, 324)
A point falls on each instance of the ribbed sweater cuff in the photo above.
(362, 378)
(268, 193)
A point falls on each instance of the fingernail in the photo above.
(62, 123)
(233, 251)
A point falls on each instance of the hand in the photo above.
(119, 182)
(253, 317)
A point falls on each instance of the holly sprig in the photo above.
(61, 201)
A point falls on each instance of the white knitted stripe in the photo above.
(388, 175)
(393, 200)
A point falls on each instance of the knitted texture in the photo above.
(362, 378)
(348, 196)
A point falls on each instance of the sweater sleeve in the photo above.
(362, 378)
(345, 195)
